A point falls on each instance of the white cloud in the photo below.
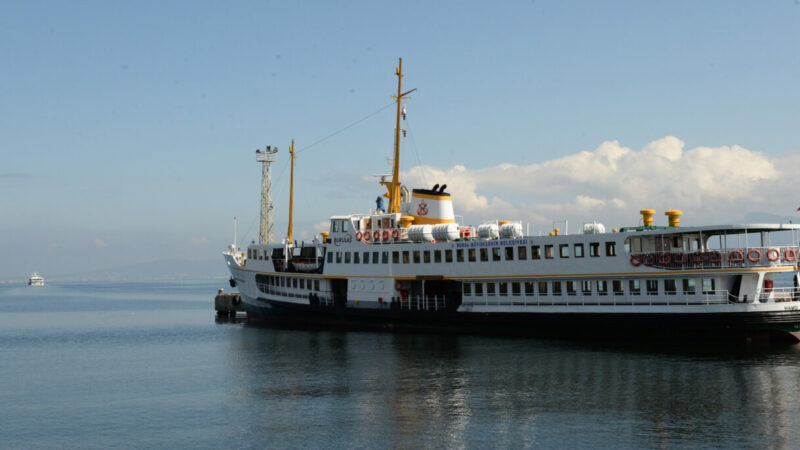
(196, 241)
(612, 182)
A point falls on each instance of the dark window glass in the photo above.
(460, 255)
(611, 249)
(448, 256)
(496, 254)
(509, 253)
(548, 251)
(471, 255)
(594, 249)
(395, 257)
(536, 252)
(522, 253)
(484, 255)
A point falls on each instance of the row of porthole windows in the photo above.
(482, 254)
(588, 287)
(288, 282)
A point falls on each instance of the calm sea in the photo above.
(146, 365)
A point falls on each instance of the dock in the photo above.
(228, 304)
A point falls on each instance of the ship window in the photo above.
(586, 287)
(636, 245)
(594, 249)
(509, 253)
(536, 252)
(479, 289)
(634, 287)
(515, 288)
(652, 287)
(385, 257)
(416, 257)
(529, 288)
(338, 257)
(548, 251)
(356, 258)
(579, 250)
(347, 257)
(542, 288)
(688, 286)
(405, 257)
(426, 256)
(448, 256)
(471, 252)
(669, 287)
(374, 257)
(572, 287)
(467, 288)
(335, 225)
(484, 254)
(616, 285)
(556, 288)
(563, 250)
(460, 255)
(316, 285)
(395, 257)
(294, 283)
(302, 283)
(495, 253)
(503, 288)
(437, 256)
(522, 253)
(330, 257)
(490, 289)
(366, 257)
(708, 286)
(611, 249)
(602, 287)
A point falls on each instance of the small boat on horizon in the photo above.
(35, 280)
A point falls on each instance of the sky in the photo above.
(128, 130)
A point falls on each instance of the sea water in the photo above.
(146, 365)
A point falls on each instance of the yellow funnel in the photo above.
(674, 217)
(647, 216)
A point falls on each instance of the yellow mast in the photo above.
(394, 186)
(291, 192)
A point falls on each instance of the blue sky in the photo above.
(128, 130)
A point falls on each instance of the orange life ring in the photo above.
(636, 260)
(679, 258)
(664, 258)
(386, 235)
(365, 236)
(697, 257)
(715, 257)
(649, 259)
(789, 254)
(768, 285)
(757, 253)
(773, 254)
(376, 235)
(736, 256)
(395, 234)
(404, 293)
(359, 236)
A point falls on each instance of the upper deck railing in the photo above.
(734, 258)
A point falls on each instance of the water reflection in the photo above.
(407, 390)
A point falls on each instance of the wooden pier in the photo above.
(228, 304)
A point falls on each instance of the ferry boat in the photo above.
(35, 280)
(412, 267)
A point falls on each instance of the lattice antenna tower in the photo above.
(266, 158)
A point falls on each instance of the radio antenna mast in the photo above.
(266, 158)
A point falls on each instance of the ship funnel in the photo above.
(431, 207)
(647, 216)
(674, 216)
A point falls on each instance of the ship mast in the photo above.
(394, 186)
(266, 158)
(291, 192)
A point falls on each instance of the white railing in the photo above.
(611, 299)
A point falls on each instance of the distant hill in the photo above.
(168, 269)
